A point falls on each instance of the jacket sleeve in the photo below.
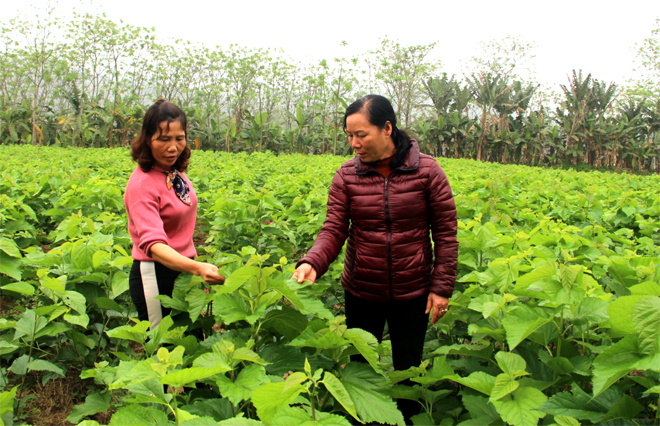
(443, 229)
(334, 231)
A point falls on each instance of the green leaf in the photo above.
(294, 379)
(283, 288)
(237, 279)
(440, 370)
(20, 287)
(54, 284)
(216, 408)
(138, 415)
(212, 359)
(366, 344)
(230, 308)
(52, 329)
(577, 404)
(315, 307)
(176, 302)
(19, 366)
(487, 303)
(156, 335)
(7, 402)
(203, 421)
(99, 257)
(536, 275)
(81, 320)
(339, 392)
(617, 361)
(521, 408)
(648, 288)
(321, 339)
(422, 419)
(478, 381)
(29, 325)
(189, 375)
(41, 365)
(479, 350)
(620, 313)
(10, 266)
(646, 317)
(283, 359)
(245, 354)
(94, 403)
(287, 321)
(591, 310)
(9, 247)
(625, 408)
(76, 301)
(504, 385)
(522, 322)
(271, 397)
(370, 394)
(110, 305)
(249, 379)
(480, 408)
(119, 284)
(136, 333)
(567, 421)
(82, 256)
(560, 365)
(7, 348)
(512, 364)
(238, 421)
(197, 301)
(183, 415)
(290, 416)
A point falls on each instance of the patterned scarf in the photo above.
(181, 189)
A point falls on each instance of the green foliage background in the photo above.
(554, 319)
(86, 83)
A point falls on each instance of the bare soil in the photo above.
(51, 404)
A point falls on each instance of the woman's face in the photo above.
(369, 142)
(166, 145)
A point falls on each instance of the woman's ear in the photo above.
(388, 128)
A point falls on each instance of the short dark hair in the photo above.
(378, 110)
(160, 111)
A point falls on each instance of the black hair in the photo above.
(160, 111)
(379, 111)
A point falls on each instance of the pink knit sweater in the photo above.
(157, 215)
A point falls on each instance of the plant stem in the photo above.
(311, 401)
(98, 344)
(176, 411)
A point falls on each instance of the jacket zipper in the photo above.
(389, 239)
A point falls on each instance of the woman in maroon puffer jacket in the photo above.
(385, 201)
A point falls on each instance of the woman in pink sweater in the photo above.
(162, 209)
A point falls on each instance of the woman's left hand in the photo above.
(438, 305)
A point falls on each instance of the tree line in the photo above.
(86, 82)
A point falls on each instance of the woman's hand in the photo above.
(172, 259)
(305, 272)
(210, 274)
(438, 305)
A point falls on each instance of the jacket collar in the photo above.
(411, 162)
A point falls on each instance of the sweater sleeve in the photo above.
(334, 231)
(144, 212)
(443, 229)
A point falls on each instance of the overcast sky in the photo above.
(595, 36)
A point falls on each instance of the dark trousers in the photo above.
(407, 323)
(147, 280)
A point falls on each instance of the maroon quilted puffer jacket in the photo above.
(387, 221)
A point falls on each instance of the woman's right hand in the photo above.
(210, 274)
(304, 272)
